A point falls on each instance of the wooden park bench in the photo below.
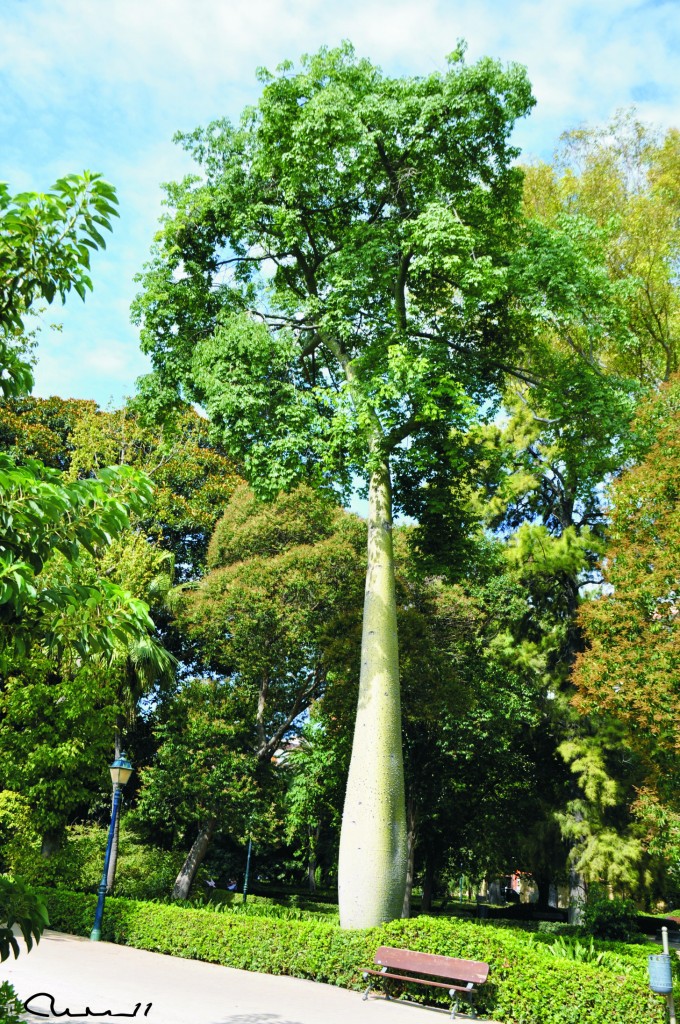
(405, 966)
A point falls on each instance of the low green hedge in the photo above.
(526, 984)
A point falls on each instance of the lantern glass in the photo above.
(121, 770)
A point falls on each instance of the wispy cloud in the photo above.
(105, 83)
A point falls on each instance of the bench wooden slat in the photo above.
(448, 985)
(430, 963)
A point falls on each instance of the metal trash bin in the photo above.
(660, 979)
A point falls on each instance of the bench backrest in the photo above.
(447, 967)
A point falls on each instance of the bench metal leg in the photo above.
(370, 986)
(455, 1003)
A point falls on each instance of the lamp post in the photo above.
(121, 770)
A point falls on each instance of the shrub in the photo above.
(73, 865)
(573, 949)
(527, 985)
(146, 873)
(10, 1005)
(555, 928)
(142, 872)
(21, 906)
(289, 907)
(608, 918)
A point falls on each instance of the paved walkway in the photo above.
(74, 974)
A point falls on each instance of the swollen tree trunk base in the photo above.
(185, 878)
(373, 855)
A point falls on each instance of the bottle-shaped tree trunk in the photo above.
(372, 862)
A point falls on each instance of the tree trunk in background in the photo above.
(577, 885)
(411, 835)
(185, 878)
(428, 887)
(372, 861)
(314, 834)
(543, 880)
(51, 843)
(577, 894)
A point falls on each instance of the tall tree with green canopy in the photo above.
(45, 245)
(333, 290)
(205, 772)
(624, 179)
(283, 579)
(629, 670)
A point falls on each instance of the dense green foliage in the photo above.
(377, 200)
(59, 618)
(21, 906)
(10, 1005)
(608, 918)
(629, 669)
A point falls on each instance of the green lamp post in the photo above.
(121, 770)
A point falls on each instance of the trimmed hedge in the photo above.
(526, 984)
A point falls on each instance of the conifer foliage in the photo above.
(631, 668)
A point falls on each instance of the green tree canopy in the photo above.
(47, 525)
(619, 182)
(629, 670)
(282, 577)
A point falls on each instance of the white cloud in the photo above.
(105, 83)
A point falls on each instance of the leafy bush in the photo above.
(608, 918)
(10, 1005)
(76, 865)
(289, 907)
(573, 949)
(527, 984)
(555, 928)
(146, 873)
(143, 872)
(19, 905)
(276, 911)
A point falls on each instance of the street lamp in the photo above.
(121, 770)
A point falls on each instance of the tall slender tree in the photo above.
(332, 289)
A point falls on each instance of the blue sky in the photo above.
(104, 84)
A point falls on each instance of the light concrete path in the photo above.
(78, 974)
